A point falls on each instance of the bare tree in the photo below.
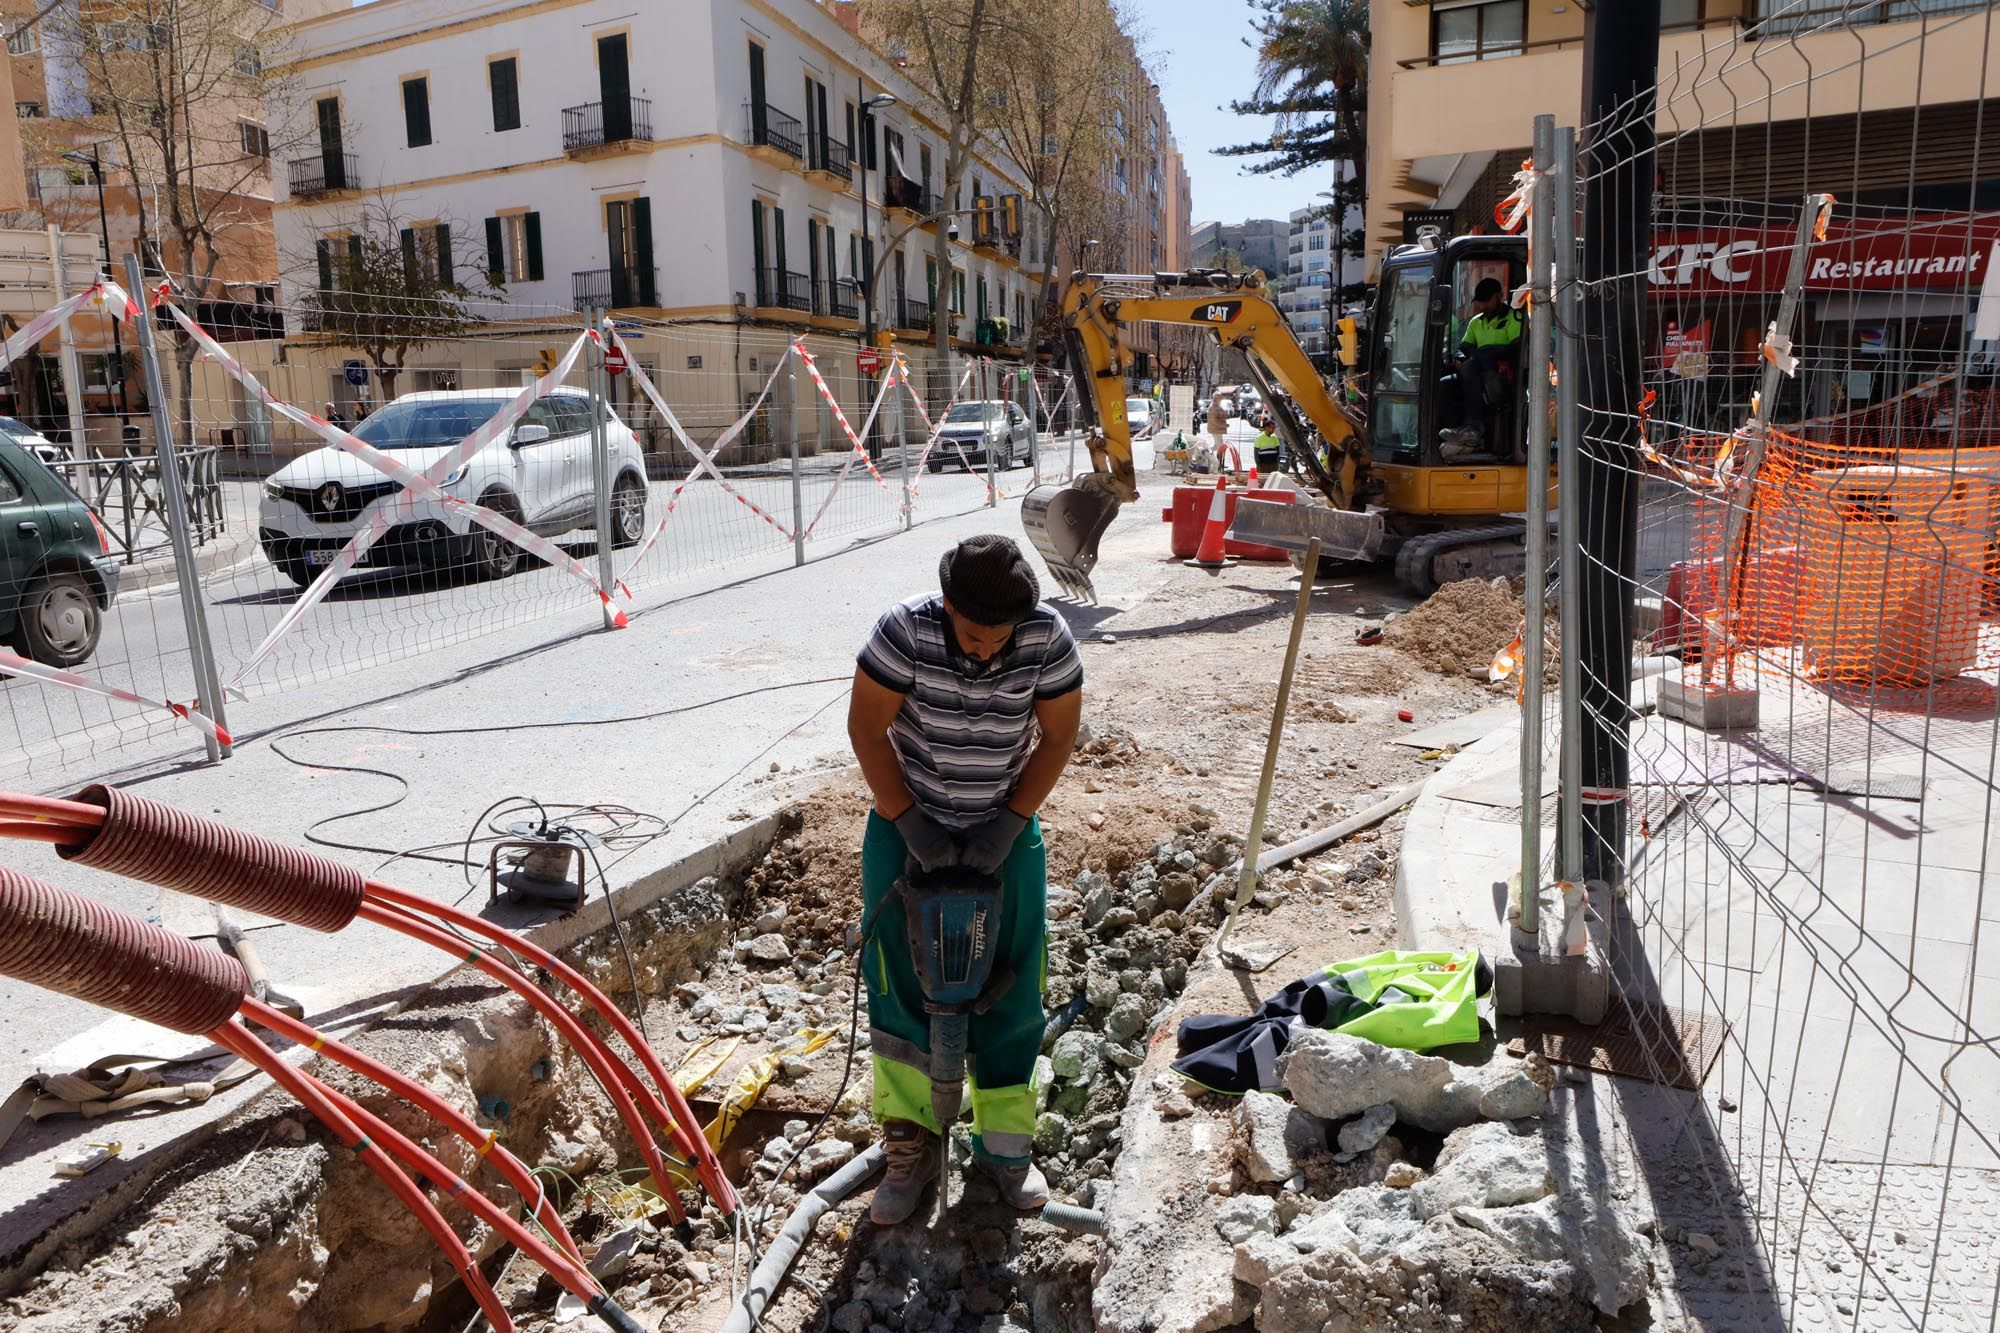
(386, 288)
(171, 85)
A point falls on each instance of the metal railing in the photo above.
(323, 173)
(837, 299)
(783, 289)
(772, 128)
(587, 126)
(831, 156)
(616, 289)
(913, 314)
(122, 487)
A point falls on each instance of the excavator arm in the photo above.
(1066, 524)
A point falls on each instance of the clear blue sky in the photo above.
(1196, 50)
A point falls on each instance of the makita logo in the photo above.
(1680, 264)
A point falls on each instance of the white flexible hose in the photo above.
(777, 1262)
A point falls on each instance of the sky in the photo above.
(1196, 50)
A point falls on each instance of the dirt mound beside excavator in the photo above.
(1459, 627)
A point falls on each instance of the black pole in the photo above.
(867, 123)
(1621, 53)
(117, 339)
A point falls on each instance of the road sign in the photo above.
(357, 373)
(614, 361)
(868, 361)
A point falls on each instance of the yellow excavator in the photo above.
(1429, 482)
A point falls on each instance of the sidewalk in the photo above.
(1827, 947)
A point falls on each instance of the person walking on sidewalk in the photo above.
(965, 710)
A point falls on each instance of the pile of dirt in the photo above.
(1459, 627)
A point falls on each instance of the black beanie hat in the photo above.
(988, 581)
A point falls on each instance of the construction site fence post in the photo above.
(1541, 250)
(1024, 389)
(71, 366)
(1568, 310)
(896, 400)
(208, 682)
(600, 460)
(1007, 437)
(794, 374)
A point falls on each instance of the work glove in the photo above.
(986, 846)
(930, 845)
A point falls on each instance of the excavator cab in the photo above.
(1447, 435)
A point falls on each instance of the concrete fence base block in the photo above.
(1711, 709)
(1529, 978)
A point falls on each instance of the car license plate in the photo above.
(322, 557)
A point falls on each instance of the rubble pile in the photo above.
(1334, 1221)
(1459, 628)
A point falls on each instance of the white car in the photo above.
(1141, 417)
(970, 428)
(36, 443)
(539, 474)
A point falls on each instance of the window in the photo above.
(10, 490)
(249, 60)
(21, 41)
(924, 166)
(514, 247)
(427, 255)
(417, 111)
(1680, 14)
(1477, 32)
(958, 291)
(571, 412)
(27, 110)
(256, 139)
(503, 78)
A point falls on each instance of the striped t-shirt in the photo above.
(966, 728)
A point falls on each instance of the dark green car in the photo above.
(57, 576)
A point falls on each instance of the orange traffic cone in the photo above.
(1209, 555)
(1253, 476)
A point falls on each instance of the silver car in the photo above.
(972, 429)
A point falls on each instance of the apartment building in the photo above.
(1306, 291)
(700, 161)
(1760, 102)
(1259, 243)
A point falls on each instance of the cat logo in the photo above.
(1219, 312)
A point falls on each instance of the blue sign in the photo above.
(357, 373)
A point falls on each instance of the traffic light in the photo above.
(1350, 341)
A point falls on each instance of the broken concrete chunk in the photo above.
(1335, 1076)
(1074, 1057)
(1594, 1239)
(823, 1156)
(1260, 1256)
(1402, 1175)
(1127, 1018)
(1246, 1215)
(1485, 1166)
(770, 919)
(1100, 989)
(1358, 1136)
(1276, 1136)
(1706, 1244)
(770, 949)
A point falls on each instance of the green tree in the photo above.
(1312, 76)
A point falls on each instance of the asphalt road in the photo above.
(376, 618)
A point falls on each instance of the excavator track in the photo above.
(1426, 563)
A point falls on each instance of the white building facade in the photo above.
(700, 160)
(1306, 294)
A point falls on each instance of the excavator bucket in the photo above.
(1343, 534)
(1065, 523)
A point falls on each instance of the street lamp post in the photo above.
(869, 105)
(96, 162)
(1337, 260)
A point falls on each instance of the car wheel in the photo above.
(935, 465)
(628, 512)
(299, 572)
(493, 556)
(59, 620)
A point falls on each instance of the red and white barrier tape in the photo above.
(932, 430)
(419, 486)
(703, 461)
(116, 301)
(15, 665)
(857, 448)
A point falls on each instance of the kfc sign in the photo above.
(1938, 252)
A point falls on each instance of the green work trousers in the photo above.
(1004, 1040)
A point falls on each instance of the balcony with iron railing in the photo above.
(770, 128)
(607, 124)
(911, 314)
(837, 299)
(781, 289)
(323, 173)
(615, 289)
(831, 157)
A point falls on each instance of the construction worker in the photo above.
(964, 712)
(1487, 354)
(1265, 449)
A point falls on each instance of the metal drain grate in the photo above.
(1653, 1042)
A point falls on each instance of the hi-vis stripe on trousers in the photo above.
(1004, 1040)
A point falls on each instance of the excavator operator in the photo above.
(1488, 354)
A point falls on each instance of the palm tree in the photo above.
(1312, 57)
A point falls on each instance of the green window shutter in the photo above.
(778, 242)
(496, 255)
(323, 252)
(642, 249)
(505, 77)
(532, 226)
(410, 279)
(354, 258)
(417, 111)
(445, 265)
(757, 264)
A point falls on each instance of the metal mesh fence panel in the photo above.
(1789, 648)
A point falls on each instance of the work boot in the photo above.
(911, 1151)
(1021, 1186)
